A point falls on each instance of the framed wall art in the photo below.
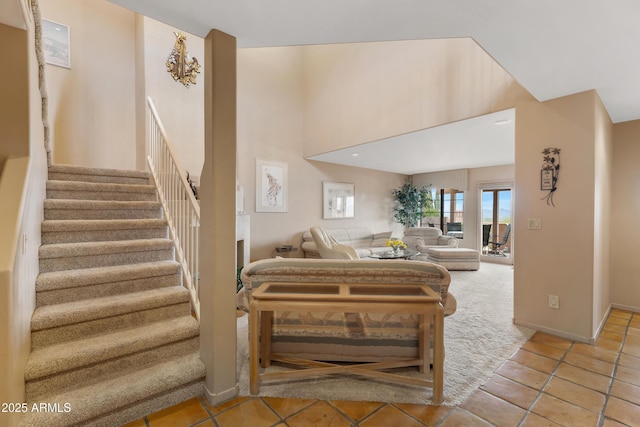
(338, 200)
(56, 43)
(271, 186)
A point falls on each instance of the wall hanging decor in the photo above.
(338, 200)
(549, 173)
(56, 43)
(271, 186)
(182, 67)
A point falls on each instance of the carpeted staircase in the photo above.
(112, 335)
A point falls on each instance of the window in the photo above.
(448, 204)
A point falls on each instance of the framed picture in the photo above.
(338, 200)
(271, 186)
(56, 43)
(546, 179)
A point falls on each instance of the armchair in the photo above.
(496, 249)
(329, 248)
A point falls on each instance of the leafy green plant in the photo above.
(238, 279)
(413, 204)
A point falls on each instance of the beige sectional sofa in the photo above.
(365, 337)
(362, 239)
(366, 242)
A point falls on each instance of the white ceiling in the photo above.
(478, 142)
(11, 14)
(552, 48)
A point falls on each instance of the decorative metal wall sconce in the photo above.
(180, 65)
(549, 173)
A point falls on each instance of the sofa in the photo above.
(422, 238)
(349, 337)
(362, 239)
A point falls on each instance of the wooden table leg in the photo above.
(266, 322)
(424, 335)
(438, 354)
(254, 378)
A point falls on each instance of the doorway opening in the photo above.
(496, 223)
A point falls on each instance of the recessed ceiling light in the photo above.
(502, 122)
(355, 154)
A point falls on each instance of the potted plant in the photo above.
(412, 204)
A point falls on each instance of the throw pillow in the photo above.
(380, 239)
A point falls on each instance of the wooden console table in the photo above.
(347, 298)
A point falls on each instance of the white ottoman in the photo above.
(454, 258)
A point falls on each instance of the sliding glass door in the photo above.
(496, 223)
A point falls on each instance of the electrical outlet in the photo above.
(534, 224)
(554, 301)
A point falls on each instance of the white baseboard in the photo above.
(215, 399)
(601, 325)
(625, 307)
(579, 338)
(557, 333)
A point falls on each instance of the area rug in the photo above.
(478, 338)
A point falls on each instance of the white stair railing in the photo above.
(181, 208)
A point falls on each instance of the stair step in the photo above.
(72, 256)
(56, 315)
(129, 397)
(73, 320)
(79, 173)
(98, 230)
(58, 287)
(79, 190)
(85, 353)
(100, 209)
(113, 334)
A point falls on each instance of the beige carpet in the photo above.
(479, 338)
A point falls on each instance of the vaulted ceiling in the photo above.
(552, 48)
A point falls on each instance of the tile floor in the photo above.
(550, 381)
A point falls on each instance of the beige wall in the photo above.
(625, 199)
(22, 191)
(559, 258)
(91, 105)
(602, 209)
(362, 92)
(271, 127)
(97, 108)
(180, 108)
(14, 102)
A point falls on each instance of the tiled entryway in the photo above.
(550, 381)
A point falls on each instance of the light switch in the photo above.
(534, 224)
